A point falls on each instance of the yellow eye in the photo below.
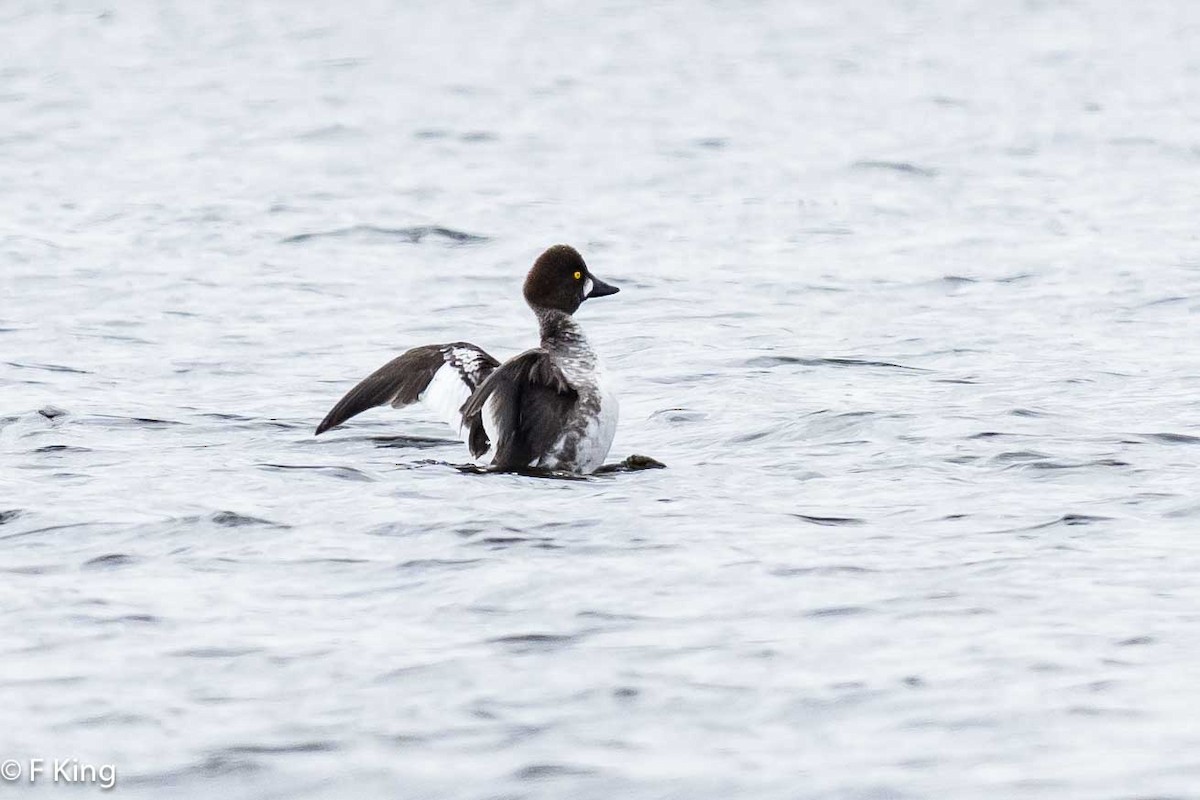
(578, 275)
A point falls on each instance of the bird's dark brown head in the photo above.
(560, 280)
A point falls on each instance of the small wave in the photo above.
(1136, 641)
(114, 421)
(345, 473)
(535, 642)
(114, 718)
(829, 521)
(1184, 512)
(243, 422)
(423, 564)
(1172, 438)
(1019, 456)
(48, 367)
(215, 652)
(1068, 520)
(1048, 464)
(903, 167)
(1163, 301)
(110, 561)
(677, 415)
(830, 569)
(838, 611)
(538, 772)
(321, 746)
(497, 542)
(33, 569)
(231, 519)
(411, 235)
(137, 619)
(777, 361)
(753, 436)
(404, 442)
(827, 230)
(213, 766)
(330, 133)
(51, 528)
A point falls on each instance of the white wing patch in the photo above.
(445, 395)
(490, 424)
(452, 385)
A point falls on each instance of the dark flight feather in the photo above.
(532, 402)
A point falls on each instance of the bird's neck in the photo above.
(560, 332)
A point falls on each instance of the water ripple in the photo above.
(411, 235)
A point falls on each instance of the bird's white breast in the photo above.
(588, 434)
(601, 430)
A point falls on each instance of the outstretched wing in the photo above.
(524, 405)
(443, 375)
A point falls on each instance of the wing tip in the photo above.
(330, 421)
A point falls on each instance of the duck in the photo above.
(548, 409)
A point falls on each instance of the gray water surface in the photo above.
(909, 309)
